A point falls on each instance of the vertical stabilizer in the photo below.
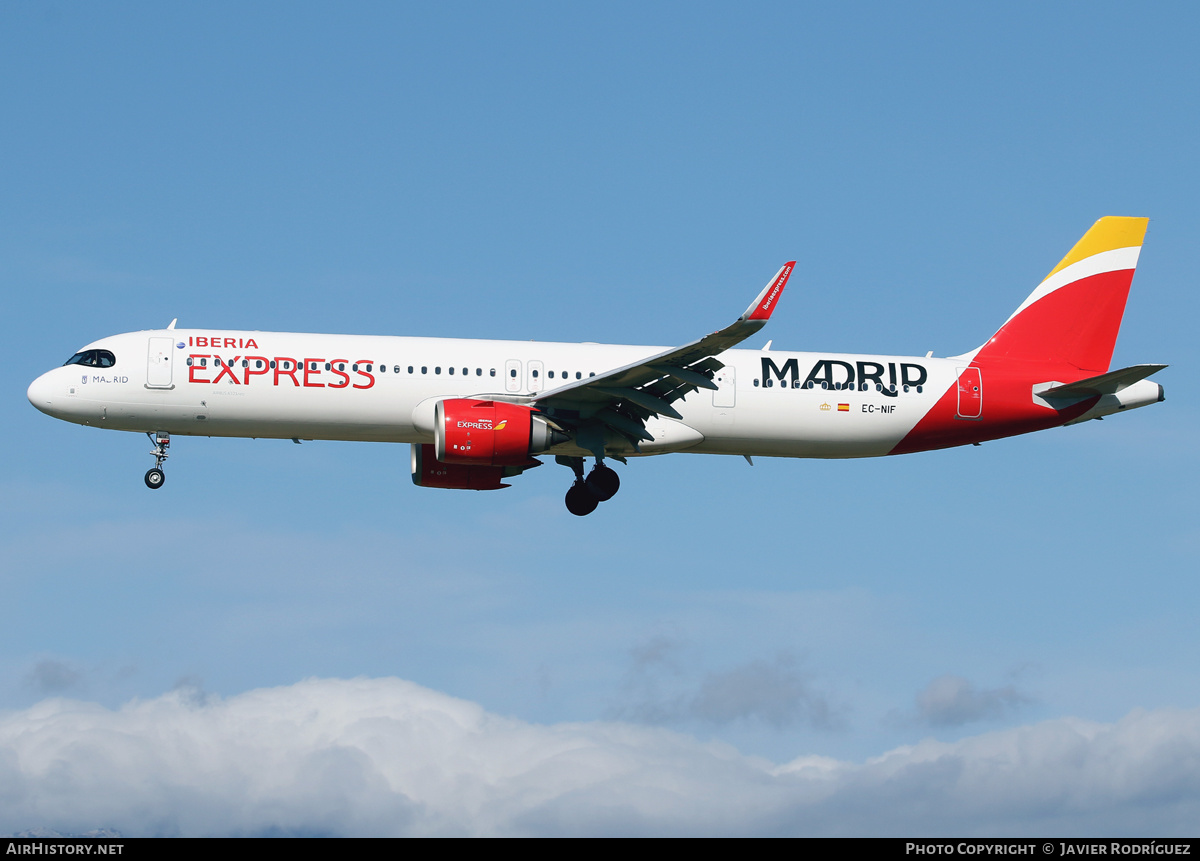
(1073, 316)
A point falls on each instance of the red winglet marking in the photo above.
(771, 294)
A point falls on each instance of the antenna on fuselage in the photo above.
(172, 324)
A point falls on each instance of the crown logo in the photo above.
(825, 407)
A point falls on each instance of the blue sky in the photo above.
(619, 173)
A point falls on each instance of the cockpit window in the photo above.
(93, 359)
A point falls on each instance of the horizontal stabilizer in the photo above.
(1105, 384)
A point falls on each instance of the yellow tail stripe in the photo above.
(1112, 231)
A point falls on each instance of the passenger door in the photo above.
(158, 363)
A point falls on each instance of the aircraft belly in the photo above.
(789, 422)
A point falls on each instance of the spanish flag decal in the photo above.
(843, 408)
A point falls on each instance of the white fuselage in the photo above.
(375, 388)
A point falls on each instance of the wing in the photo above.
(624, 398)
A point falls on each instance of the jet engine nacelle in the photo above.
(490, 433)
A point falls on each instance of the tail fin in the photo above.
(1073, 316)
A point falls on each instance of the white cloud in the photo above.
(387, 757)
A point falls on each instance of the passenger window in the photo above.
(513, 372)
(424, 369)
(328, 366)
(756, 381)
(550, 375)
(493, 372)
(272, 364)
(450, 371)
(535, 374)
(245, 363)
(479, 372)
(189, 361)
(437, 369)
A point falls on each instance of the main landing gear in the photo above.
(601, 484)
(155, 477)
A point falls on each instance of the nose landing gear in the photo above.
(601, 484)
(155, 476)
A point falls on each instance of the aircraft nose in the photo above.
(40, 393)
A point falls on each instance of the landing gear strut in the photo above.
(155, 476)
(601, 484)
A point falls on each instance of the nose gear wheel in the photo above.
(155, 476)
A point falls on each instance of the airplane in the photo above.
(478, 412)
